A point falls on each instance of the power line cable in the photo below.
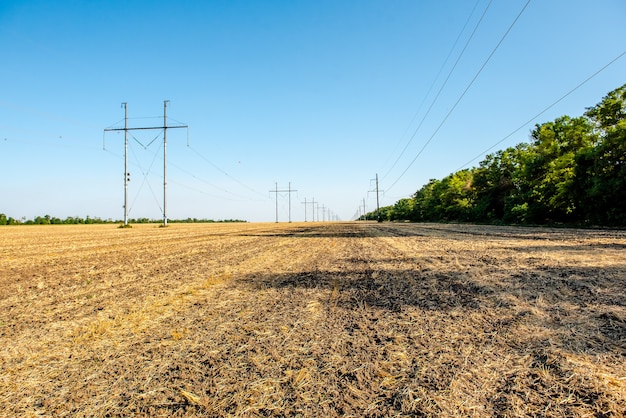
(224, 172)
(432, 84)
(442, 86)
(150, 143)
(195, 189)
(241, 198)
(544, 110)
(462, 94)
(145, 179)
(172, 119)
(156, 154)
(116, 124)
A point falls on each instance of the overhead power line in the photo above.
(444, 83)
(312, 203)
(235, 197)
(290, 190)
(212, 164)
(462, 94)
(145, 173)
(126, 129)
(543, 111)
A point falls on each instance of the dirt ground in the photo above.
(312, 319)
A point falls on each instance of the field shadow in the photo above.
(582, 247)
(582, 310)
(533, 236)
(310, 233)
(333, 230)
(385, 289)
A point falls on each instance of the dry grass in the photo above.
(339, 319)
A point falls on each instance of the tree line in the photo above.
(77, 220)
(51, 220)
(572, 172)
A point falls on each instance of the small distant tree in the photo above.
(39, 220)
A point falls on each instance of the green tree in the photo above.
(402, 210)
(551, 169)
(601, 171)
(45, 220)
(498, 186)
(426, 202)
(456, 197)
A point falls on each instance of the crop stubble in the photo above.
(335, 319)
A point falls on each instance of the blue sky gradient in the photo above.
(322, 94)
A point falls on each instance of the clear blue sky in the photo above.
(323, 94)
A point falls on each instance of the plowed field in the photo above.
(312, 319)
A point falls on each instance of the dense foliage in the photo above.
(572, 172)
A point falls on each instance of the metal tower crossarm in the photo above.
(165, 127)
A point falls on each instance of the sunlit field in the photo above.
(312, 319)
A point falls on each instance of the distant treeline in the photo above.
(75, 220)
(573, 172)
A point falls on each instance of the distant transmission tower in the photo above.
(378, 218)
(312, 203)
(290, 190)
(364, 211)
(127, 174)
